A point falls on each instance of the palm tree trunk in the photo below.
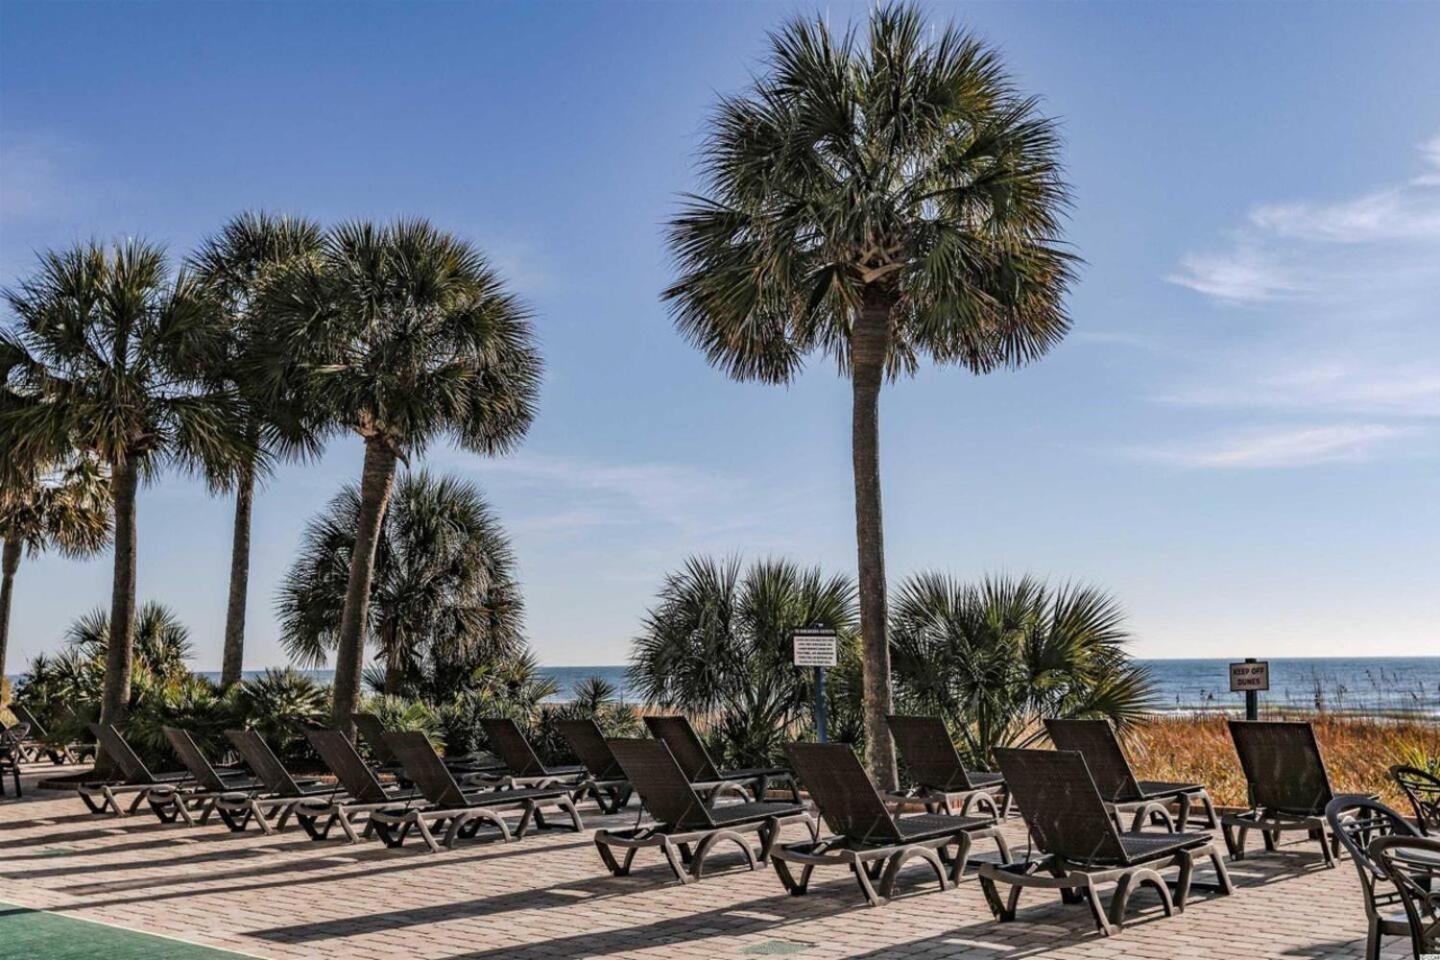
(869, 344)
(9, 563)
(239, 573)
(377, 479)
(120, 650)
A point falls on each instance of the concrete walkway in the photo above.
(548, 897)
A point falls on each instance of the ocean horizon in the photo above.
(1343, 684)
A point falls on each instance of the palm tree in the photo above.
(443, 596)
(876, 202)
(234, 264)
(996, 658)
(406, 334)
(719, 642)
(107, 360)
(66, 509)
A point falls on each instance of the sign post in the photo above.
(1251, 677)
(815, 647)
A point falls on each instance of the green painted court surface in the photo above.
(38, 935)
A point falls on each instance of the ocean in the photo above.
(1360, 685)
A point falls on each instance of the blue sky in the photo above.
(1238, 439)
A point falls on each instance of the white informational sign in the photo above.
(1249, 676)
(814, 647)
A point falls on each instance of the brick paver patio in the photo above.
(548, 897)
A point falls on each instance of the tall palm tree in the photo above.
(66, 509)
(234, 264)
(877, 202)
(107, 359)
(997, 657)
(443, 595)
(407, 334)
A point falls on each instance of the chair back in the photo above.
(372, 731)
(1095, 740)
(113, 745)
(27, 716)
(351, 771)
(193, 758)
(686, 746)
(1061, 805)
(1354, 821)
(424, 767)
(929, 754)
(588, 742)
(10, 740)
(263, 763)
(1282, 765)
(1413, 865)
(509, 744)
(843, 792)
(1422, 789)
(663, 787)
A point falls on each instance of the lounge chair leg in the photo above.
(1234, 846)
(794, 887)
(1211, 820)
(1186, 859)
(425, 834)
(697, 862)
(1097, 910)
(1135, 878)
(992, 899)
(862, 877)
(568, 805)
(677, 865)
(1004, 849)
(528, 813)
(1222, 873)
(898, 859)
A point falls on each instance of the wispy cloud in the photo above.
(1334, 387)
(1307, 248)
(1245, 274)
(1278, 448)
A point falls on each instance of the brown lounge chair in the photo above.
(937, 774)
(682, 818)
(1072, 826)
(159, 790)
(372, 732)
(11, 752)
(689, 751)
(225, 794)
(604, 780)
(868, 839)
(1095, 740)
(1413, 866)
(1422, 789)
(272, 809)
(459, 812)
(38, 742)
(1288, 785)
(523, 766)
(361, 791)
(1355, 821)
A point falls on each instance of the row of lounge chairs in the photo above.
(1085, 810)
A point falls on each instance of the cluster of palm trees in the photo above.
(273, 337)
(876, 196)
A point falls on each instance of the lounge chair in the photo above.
(937, 774)
(1422, 789)
(1355, 821)
(11, 751)
(1288, 786)
(1082, 848)
(38, 742)
(699, 769)
(225, 794)
(272, 809)
(372, 731)
(683, 819)
(604, 779)
(1413, 866)
(159, 790)
(459, 812)
(524, 768)
(361, 791)
(1095, 740)
(868, 839)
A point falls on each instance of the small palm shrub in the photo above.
(278, 705)
(995, 658)
(595, 699)
(398, 713)
(191, 703)
(718, 645)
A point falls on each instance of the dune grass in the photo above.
(1358, 753)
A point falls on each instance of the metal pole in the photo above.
(1252, 699)
(820, 704)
